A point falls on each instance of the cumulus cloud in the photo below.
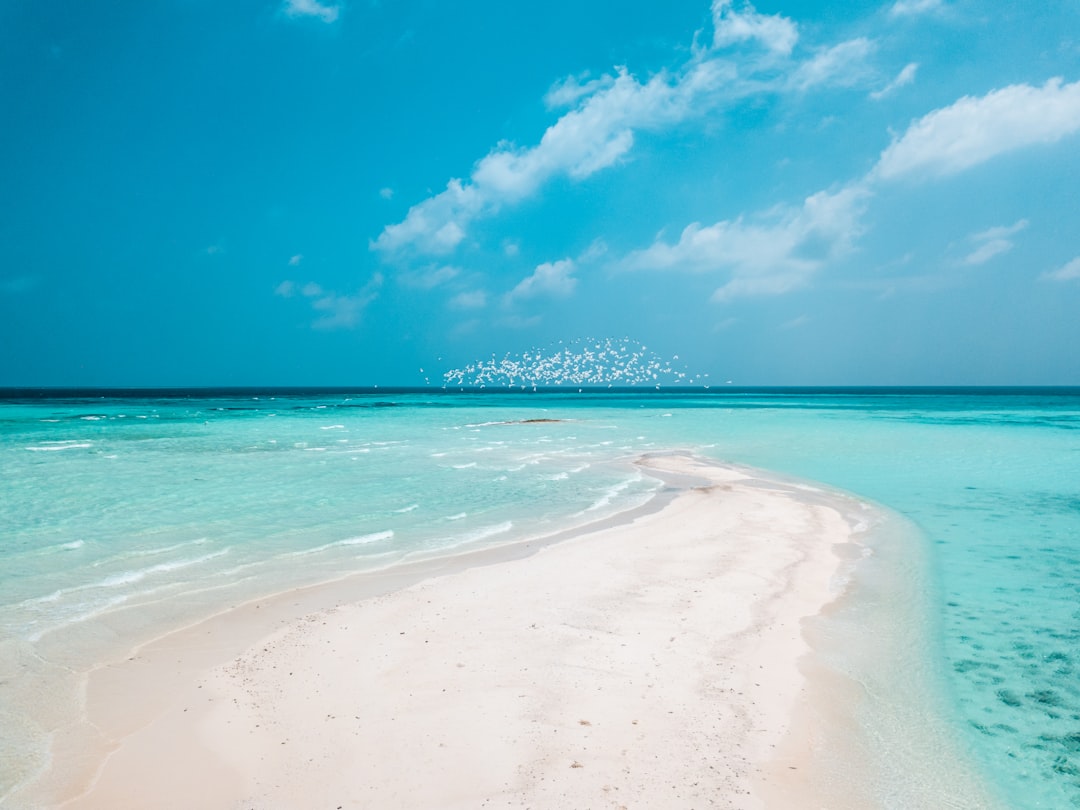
(1067, 272)
(730, 27)
(903, 79)
(993, 242)
(912, 8)
(550, 279)
(286, 289)
(974, 130)
(843, 64)
(311, 8)
(775, 256)
(294, 261)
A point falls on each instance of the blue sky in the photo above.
(317, 193)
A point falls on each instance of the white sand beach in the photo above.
(652, 663)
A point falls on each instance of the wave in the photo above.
(610, 494)
(149, 552)
(126, 577)
(46, 447)
(362, 540)
(483, 533)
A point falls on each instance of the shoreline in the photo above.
(695, 679)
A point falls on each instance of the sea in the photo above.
(126, 513)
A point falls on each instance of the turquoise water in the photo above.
(122, 516)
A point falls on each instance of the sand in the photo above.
(653, 663)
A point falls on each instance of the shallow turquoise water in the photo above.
(134, 513)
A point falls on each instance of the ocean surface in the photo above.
(125, 514)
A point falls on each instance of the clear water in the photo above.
(119, 517)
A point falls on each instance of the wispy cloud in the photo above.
(783, 250)
(311, 8)
(475, 299)
(976, 129)
(597, 134)
(843, 65)
(992, 242)
(568, 91)
(430, 277)
(549, 279)
(777, 34)
(776, 255)
(913, 8)
(606, 112)
(1067, 272)
(335, 310)
(903, 79)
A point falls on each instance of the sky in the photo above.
(374, 192)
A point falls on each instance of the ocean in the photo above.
(125, 513)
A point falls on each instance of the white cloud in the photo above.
(344, 311)
(764, 259)
(430, 277)
(549, 278)
(911, 8)
(386, 193)
(993, 242)
(311, 8)
(295, 260)
(1067, 272)
(595, 135)
(903, 79)
(795, 323)
(842, 64)
(777, 34)
(569, 91)
(335, 311)
(974, 130)
(476, 299)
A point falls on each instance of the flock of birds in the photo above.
(584, 361)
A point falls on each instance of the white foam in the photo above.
(482, 533)
(127, 577)
(45, 447)
(458, 516)
(150, 552)
(349, 541)
(408, 508)
(332, 427)
(464, 466)
(610, 494)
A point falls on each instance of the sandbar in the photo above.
(653, 662)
